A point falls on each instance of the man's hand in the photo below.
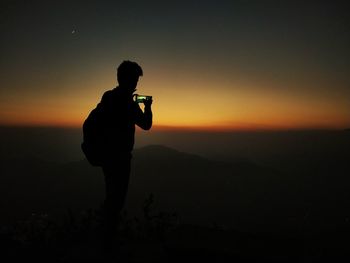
(148, 103)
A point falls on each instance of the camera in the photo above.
(141, 98)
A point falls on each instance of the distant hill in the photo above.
(195, 185)
(239, 193)
(32, 185)
(179, 181)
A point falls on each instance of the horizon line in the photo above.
(204, 129)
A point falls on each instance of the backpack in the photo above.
(92, 145)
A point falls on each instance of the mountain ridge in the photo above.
(176, 178)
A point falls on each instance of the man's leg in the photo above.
(116, 181)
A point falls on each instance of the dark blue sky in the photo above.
(299, 47)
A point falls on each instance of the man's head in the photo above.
(128, 74)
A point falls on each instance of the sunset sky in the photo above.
(212, 65)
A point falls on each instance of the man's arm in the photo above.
(144, 119)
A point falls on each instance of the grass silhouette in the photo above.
(156, 236)
(42, 238)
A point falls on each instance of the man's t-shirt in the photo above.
(119, 114)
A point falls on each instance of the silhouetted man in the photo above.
(120, 114)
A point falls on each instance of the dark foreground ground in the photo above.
(275, 198)
(161, 237)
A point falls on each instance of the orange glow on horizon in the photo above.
(174, 128)
(189, 103)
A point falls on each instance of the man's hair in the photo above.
(128, 69)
